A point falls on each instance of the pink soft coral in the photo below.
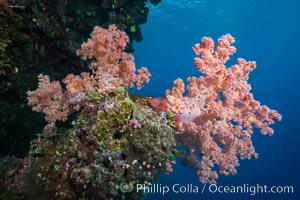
(111, 67)
(219, 113)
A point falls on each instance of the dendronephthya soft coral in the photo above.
(219, 113)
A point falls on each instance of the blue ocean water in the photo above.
(266, 31)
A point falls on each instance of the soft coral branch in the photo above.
(112, 67)
(48, 98)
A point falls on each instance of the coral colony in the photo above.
(111, 67)
(219, 113)
(114, 144)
